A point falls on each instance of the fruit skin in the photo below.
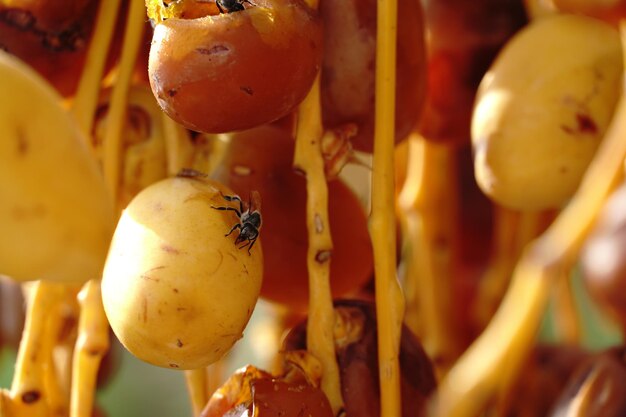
(348, 73)
(253, 392)
(177, 292)
(464, 38)
(542, 110)
(56, 215)
(238, 70)
(597, 387)
(262, 159)
(51, 36)
(356, 348)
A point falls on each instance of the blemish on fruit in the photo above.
(217, 49)
(22, 142)
(586, 124)
(170, 249)
(30, 397)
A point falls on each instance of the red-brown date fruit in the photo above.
(349, 67)
(543, 378)
(611, 11)
(357, 356)
(464, 38)
(261, 159)
(253, 392)
(47, 16)
(50, 36)
(603, 258)
(597, 388)
(237, 70)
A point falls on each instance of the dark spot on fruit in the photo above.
(30, 397)
(217, 49)
(179, 343)
(172, 92)
(22, 141)
(246, 90)
(586, 124)
(170, 249)
(173, 365)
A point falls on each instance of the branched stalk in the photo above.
(86, 99)
(28, 394)
(308, 159)
(91, 346)
(389, 297)
(501, 348)
(427, 206)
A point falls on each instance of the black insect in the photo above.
(230, 6)
(249, 219)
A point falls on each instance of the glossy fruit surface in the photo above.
(464, 38)
(357, 355)
(348, 71)
(236, 70)
(52, 37)
(261, 159)
(178, 292)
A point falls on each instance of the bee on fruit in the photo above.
(249, 219)
(230, 6)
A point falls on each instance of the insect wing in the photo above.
(255, 201)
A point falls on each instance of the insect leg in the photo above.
(251, 245)
(234, 198)
(237, 212)
(235, 227)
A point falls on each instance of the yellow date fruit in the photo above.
(178, 293)
(542, 110)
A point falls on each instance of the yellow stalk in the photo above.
(389, 298)
(111, 146)
(196, 380)
(28, 394)
(91, 346)
(427, 205)
(309, 160)
(86, 99)
(504, 344)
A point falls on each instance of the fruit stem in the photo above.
(111, 146)
(28, 394)
(309, 160)
(196, 380)
(91, 346)
(389, 297)
(501, 348)
(513, 231)
(428, 214)
(86, 99)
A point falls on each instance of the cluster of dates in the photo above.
(178, 290)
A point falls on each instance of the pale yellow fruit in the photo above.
(178, 293)
(56, 216)
(542, 110)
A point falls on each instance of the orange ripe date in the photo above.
(237, 70)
